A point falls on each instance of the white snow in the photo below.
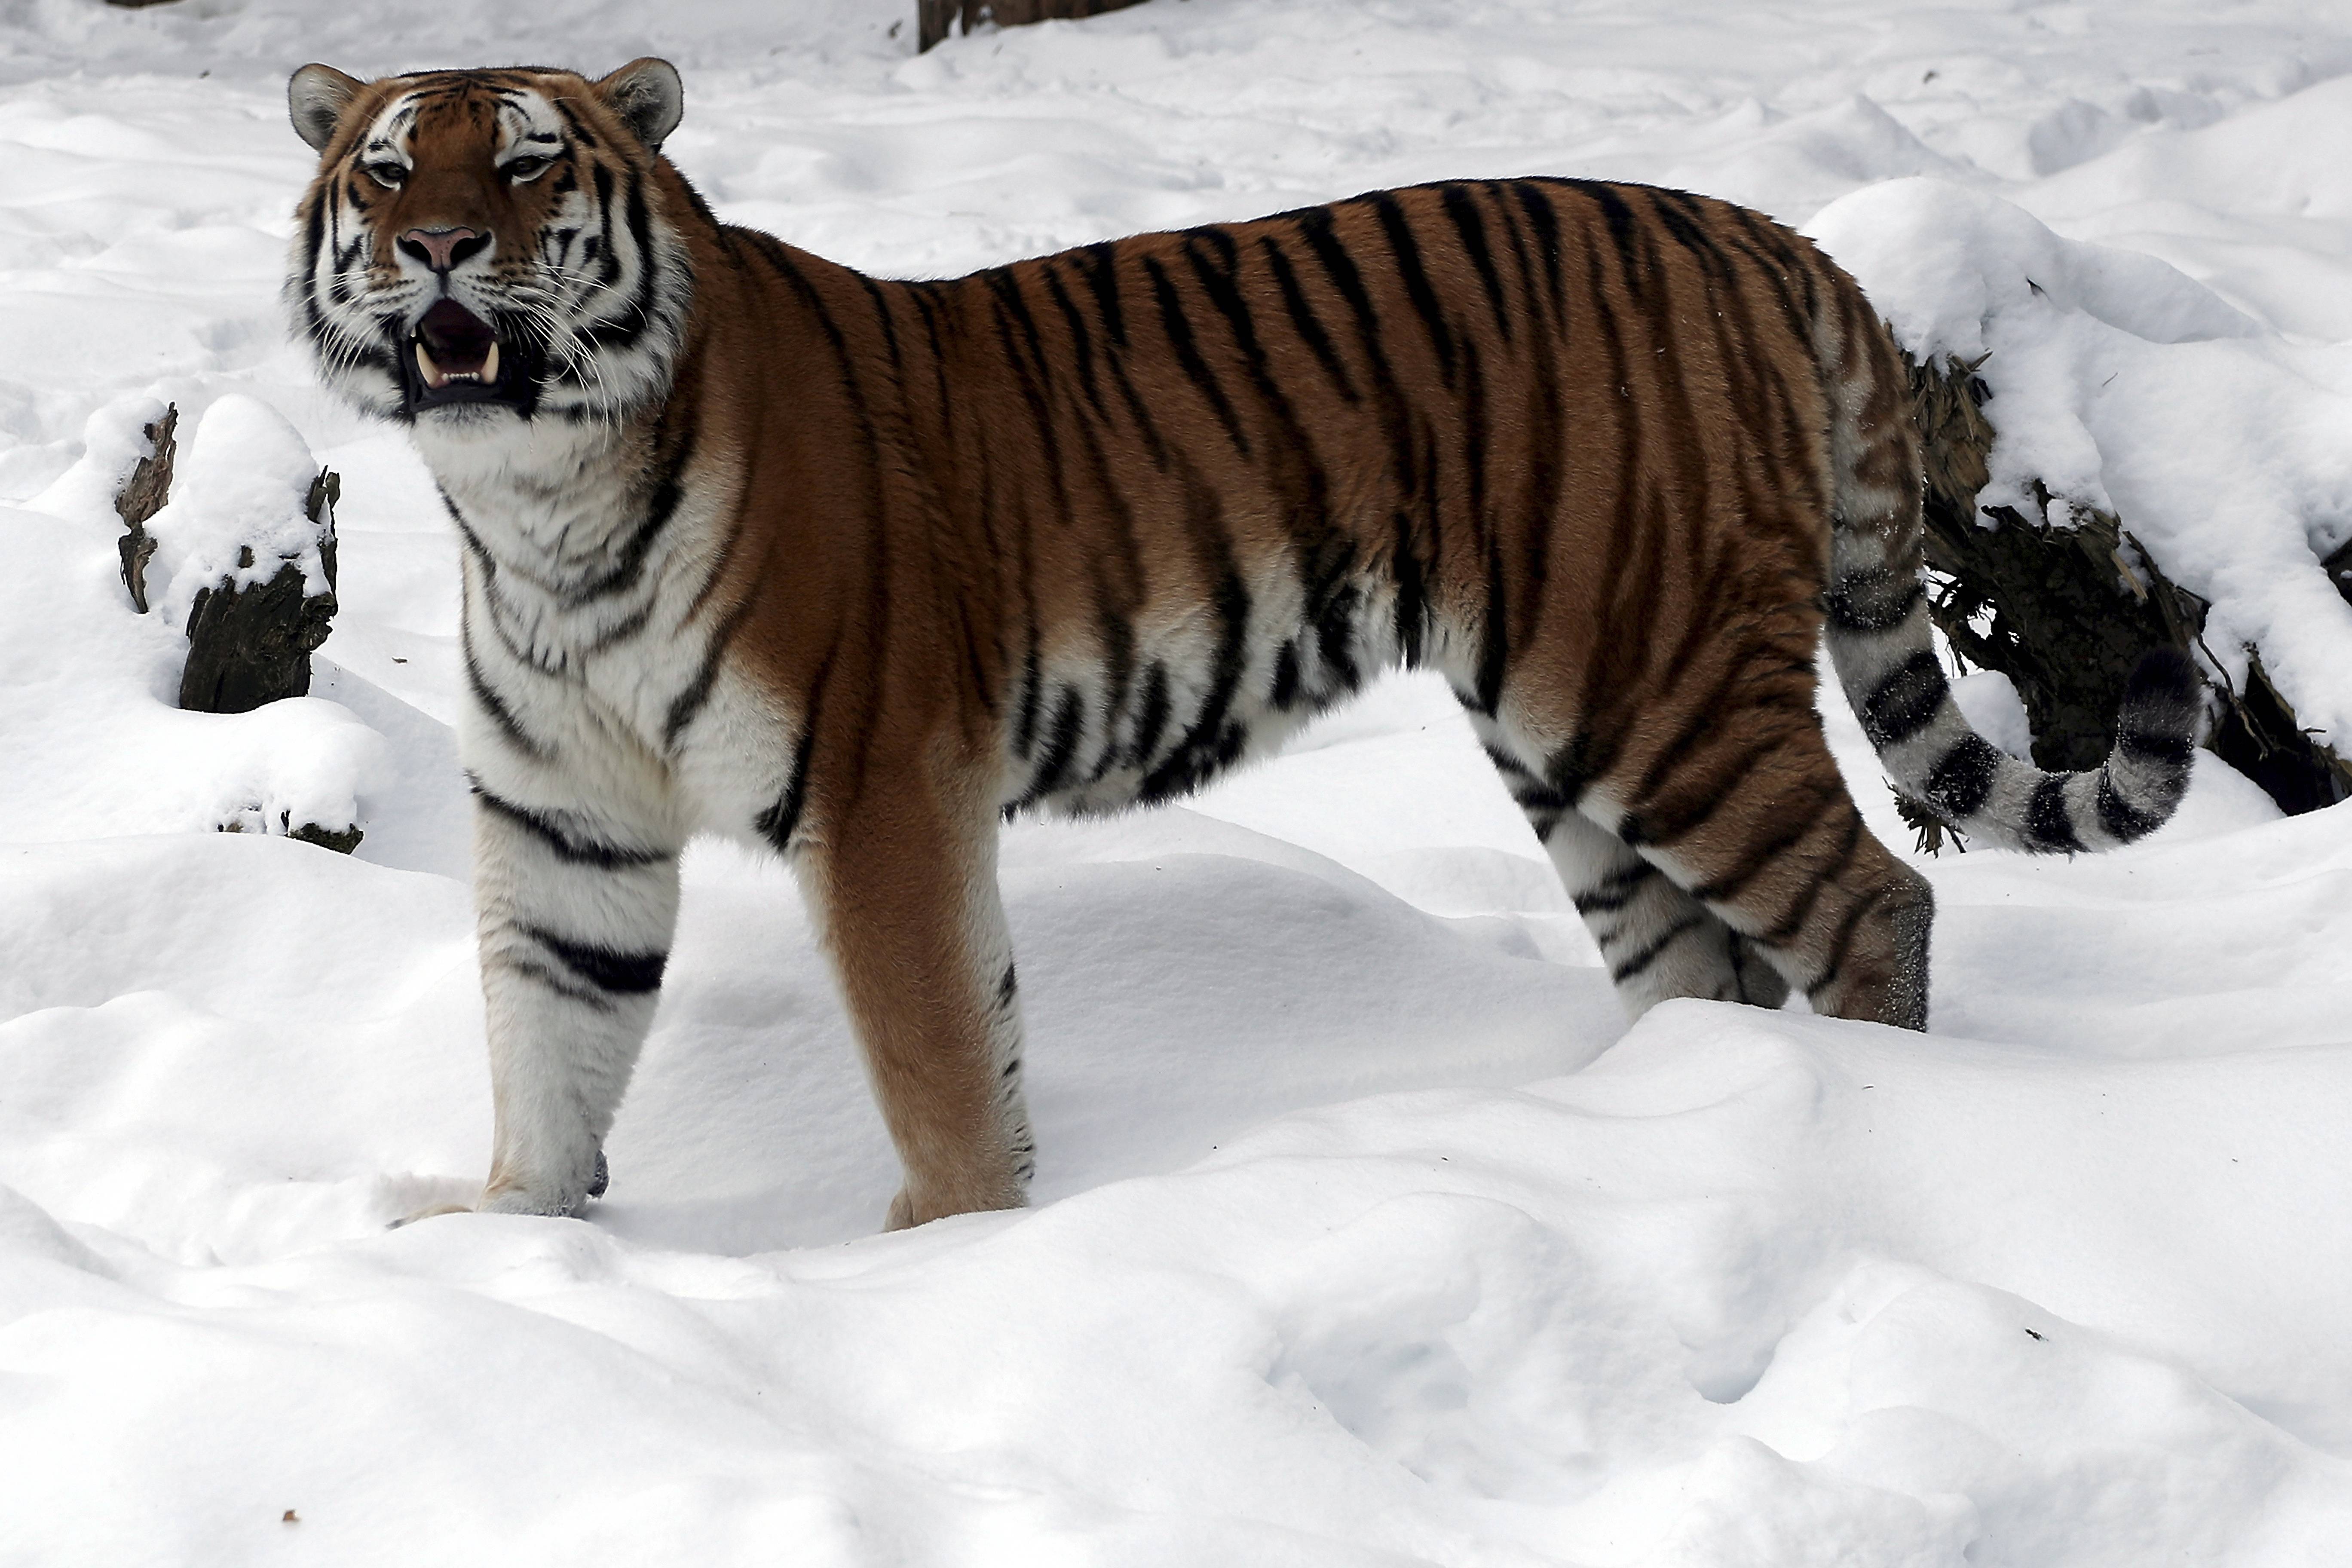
(1366, 1233)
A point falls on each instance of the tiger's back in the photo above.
(887, 559)
(1278, 421)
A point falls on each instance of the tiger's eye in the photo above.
(523, 169)
(388, 174)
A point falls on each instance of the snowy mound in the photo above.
(2121, 384)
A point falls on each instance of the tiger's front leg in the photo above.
(575, 914)
(903, 888)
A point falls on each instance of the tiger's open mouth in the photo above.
(455, 356)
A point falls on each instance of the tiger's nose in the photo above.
(442, 248)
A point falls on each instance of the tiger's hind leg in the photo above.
(1757, 825)
(1658, 942)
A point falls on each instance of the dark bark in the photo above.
(934, 17)
(142, 497)
(251, 645)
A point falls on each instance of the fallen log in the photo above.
(2066, 601)
(933, 17)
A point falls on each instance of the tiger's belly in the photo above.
(1100, 724)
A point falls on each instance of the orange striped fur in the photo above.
(873, 563)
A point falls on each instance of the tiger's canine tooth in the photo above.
(490, 364)
(431, 372)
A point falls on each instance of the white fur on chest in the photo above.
(591, 625)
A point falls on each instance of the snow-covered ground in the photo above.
(1367, 1232)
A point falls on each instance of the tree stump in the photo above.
(933, 17)
(251, 645)
(2065, 608)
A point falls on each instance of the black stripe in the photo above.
(1286, 678)
(1544, 218)
(1616, 890)
(1679, 214)
(1118, 662)
(1407, 250)
(1471, 226)
(1576, 765)
(1339, 267)
(607, 969)
(1622, 230)
(1335, 641)
(575, 849)
(1841, 941)
(1006, 989)
(1179, 328)
(1873, 600)
(2142, 745)
(2047, 818)
(1906, 702)
(1210, 743)
(689, 702)
(1537, 799)
(1304, 320)
(1153, 719)
(1963, 779)
(1036, 376)
(1798, 821)
(1300, 482)
(493, 705)
(1099, 263)
(1639, 961)
(1412, 594)
(1505, 763)
(1702, 718)
(2120, 819)
(1025, 727)
(1809, 892)
(561, 983)
(1494, 649)
(1081, 341)
(779, 256)
(781, 820)
(660, 507)
(1059, 749)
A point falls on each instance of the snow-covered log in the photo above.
(2117, 460)
(2066, 605)
(247, 543)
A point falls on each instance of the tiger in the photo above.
(851, 570)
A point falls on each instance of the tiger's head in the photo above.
(483, 246)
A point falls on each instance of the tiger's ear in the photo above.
(316, 98)
(647, 94)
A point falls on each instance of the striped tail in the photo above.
(1878, 636)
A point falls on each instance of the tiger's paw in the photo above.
(911, 1208)
(509, 1194)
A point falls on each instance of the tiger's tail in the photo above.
(1877, 629)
